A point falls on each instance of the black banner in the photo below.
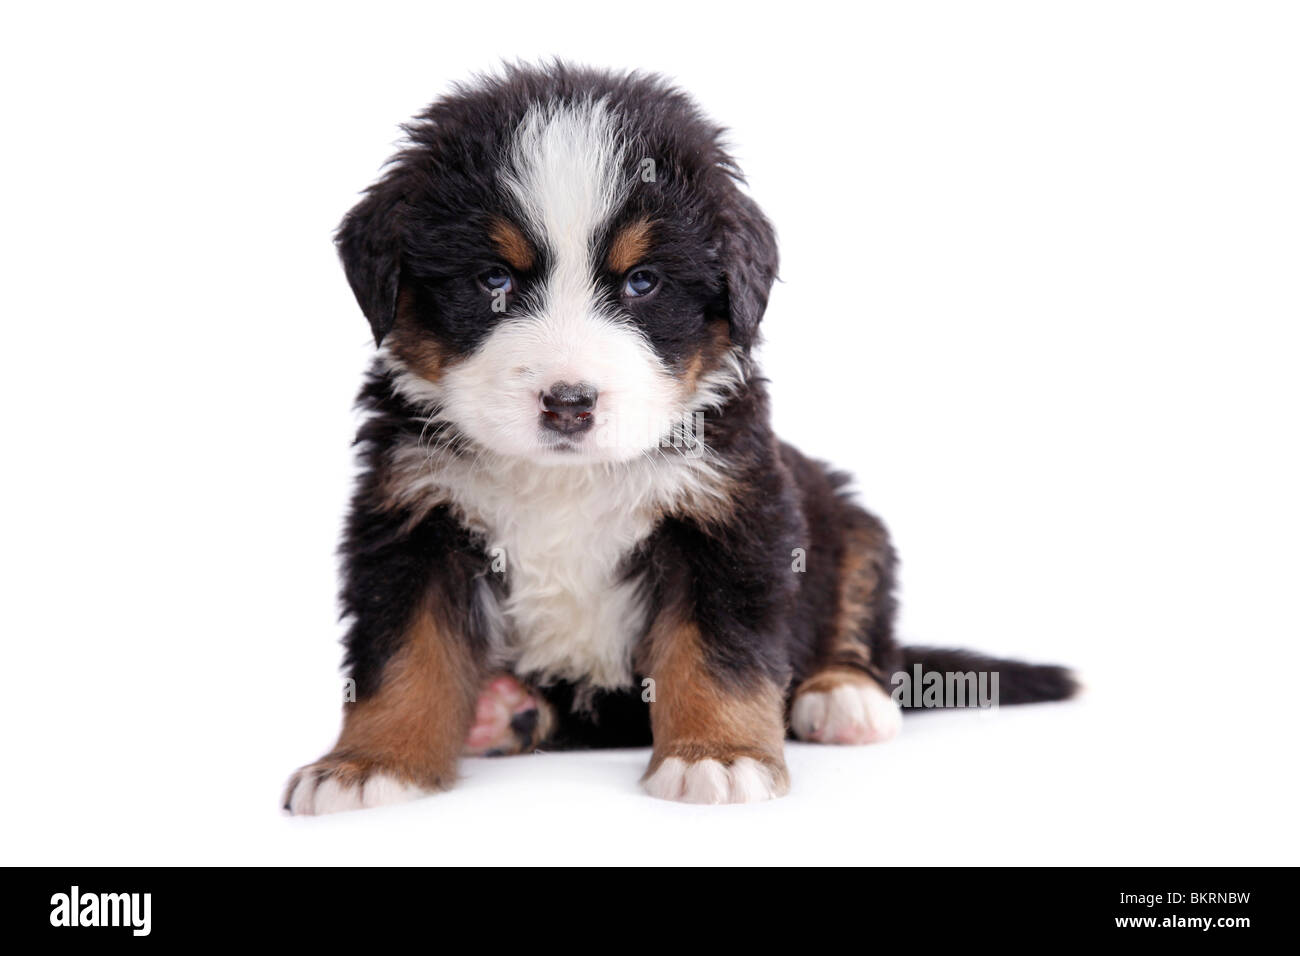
(1178, 907)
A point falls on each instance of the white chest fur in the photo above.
(562, 535)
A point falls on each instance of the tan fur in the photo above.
(415, 348)
(415, 725)
(629, 246)
(827, 680)
(696, 717)
(706, 358)
(858, 584)
(513, 245)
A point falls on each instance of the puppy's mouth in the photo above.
(560, 445)
(565, 430)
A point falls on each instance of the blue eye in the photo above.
(640, 282)
(496, 279)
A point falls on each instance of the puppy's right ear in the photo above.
(369, 243)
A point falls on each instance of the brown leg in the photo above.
(863, 602)
(713, 742)
(404, 739)
(843, 700)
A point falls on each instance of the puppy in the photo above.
(574, 526)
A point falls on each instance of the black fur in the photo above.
(424, 225)
(1019, 683)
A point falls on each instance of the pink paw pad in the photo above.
(504, 719)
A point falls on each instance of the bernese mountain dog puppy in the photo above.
(574, 526)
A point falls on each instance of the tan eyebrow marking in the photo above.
(512, 244)
(629, 246)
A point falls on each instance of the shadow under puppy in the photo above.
(574, 525)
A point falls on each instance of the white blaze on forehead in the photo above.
(566, 172)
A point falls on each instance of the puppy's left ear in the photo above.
(749, 264)
(369, 244)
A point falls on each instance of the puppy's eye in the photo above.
(497, 279)
(640, 282)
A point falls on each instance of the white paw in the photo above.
(311, 793)
(851, 713)
(744, 780)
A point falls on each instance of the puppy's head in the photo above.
(561, 262)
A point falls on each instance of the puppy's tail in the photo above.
(1017, 682)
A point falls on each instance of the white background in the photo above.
(1040, 293)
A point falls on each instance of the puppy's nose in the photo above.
(567, 408)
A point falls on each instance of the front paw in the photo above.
(333, 784)
(717, 780)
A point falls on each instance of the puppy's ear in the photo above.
(369, 244)
(749, 263)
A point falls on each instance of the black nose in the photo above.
(567, 408)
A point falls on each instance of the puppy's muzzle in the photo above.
(568, 409)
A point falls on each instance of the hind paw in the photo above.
(848, 708)
(508, 720)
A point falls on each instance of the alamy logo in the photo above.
(945, 688)
(102, 909)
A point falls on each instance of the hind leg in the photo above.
(842, 700)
